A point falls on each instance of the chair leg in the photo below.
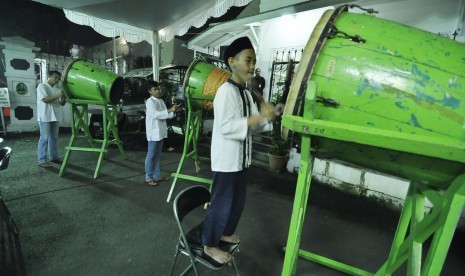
(235, 267)
(5, 213)
(189, 269)
(174, 261)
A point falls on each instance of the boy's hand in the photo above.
(279, 109)
(174, 108)
(268, 112)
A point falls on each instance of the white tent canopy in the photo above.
(224, 33)
(137, 20)
(151, 20)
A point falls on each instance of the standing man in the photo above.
(258, 82)
(236, 116)
(49, 114)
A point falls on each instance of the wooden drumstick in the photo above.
(279, 108)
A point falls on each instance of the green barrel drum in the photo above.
(84, 80)
(203, 79)
(381, 75)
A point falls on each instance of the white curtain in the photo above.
(110, 28)
(197, 18)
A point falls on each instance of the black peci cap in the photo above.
(236, 46)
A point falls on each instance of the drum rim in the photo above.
(64, 77)
(328, 20)
(67, 68)
(188, 75)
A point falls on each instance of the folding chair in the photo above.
(5, 154)
(190, 244)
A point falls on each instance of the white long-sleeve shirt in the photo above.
(155, 119)
(231, 148)
(48, 112)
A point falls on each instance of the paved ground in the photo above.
(117, 225)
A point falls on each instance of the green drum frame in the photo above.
(83, 80)
(387, 119)
(86, 83)
(202, 80)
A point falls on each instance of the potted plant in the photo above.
(277, 157)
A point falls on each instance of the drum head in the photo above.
(187, 77)
(203, 79)
(295, 97)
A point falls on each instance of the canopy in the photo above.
(224, 33)
(138, 20)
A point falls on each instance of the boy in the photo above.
(156, 130)
(235, 116)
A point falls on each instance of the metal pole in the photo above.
(155, 55)
(115, 65)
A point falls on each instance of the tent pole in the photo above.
(115, 64)
(155, 55)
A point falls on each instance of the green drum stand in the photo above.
(190, 149)
(200, 84)
(386, 97)
(85, 83)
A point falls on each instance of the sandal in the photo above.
(57, 160)
(44, 165)
(162, 179)
(151, 182)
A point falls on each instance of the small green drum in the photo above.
(381, 75)
(203, 79)
(84, 80)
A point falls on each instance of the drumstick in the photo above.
(279, 108)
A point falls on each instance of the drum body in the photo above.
(84, 80)
(401, 79)
(203, 79)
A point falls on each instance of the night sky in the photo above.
(45, 25)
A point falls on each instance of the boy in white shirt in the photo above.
(156, 130)
(235, 116)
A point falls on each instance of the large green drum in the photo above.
(378, 74)
(203, 79)
(84, 80)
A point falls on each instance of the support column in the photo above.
(156, 55)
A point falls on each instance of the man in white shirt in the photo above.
(49, 114)
(156, 130)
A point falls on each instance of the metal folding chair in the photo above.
(5, 154)
(190, 243)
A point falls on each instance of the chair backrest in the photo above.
(5, 154)
(189, 199)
